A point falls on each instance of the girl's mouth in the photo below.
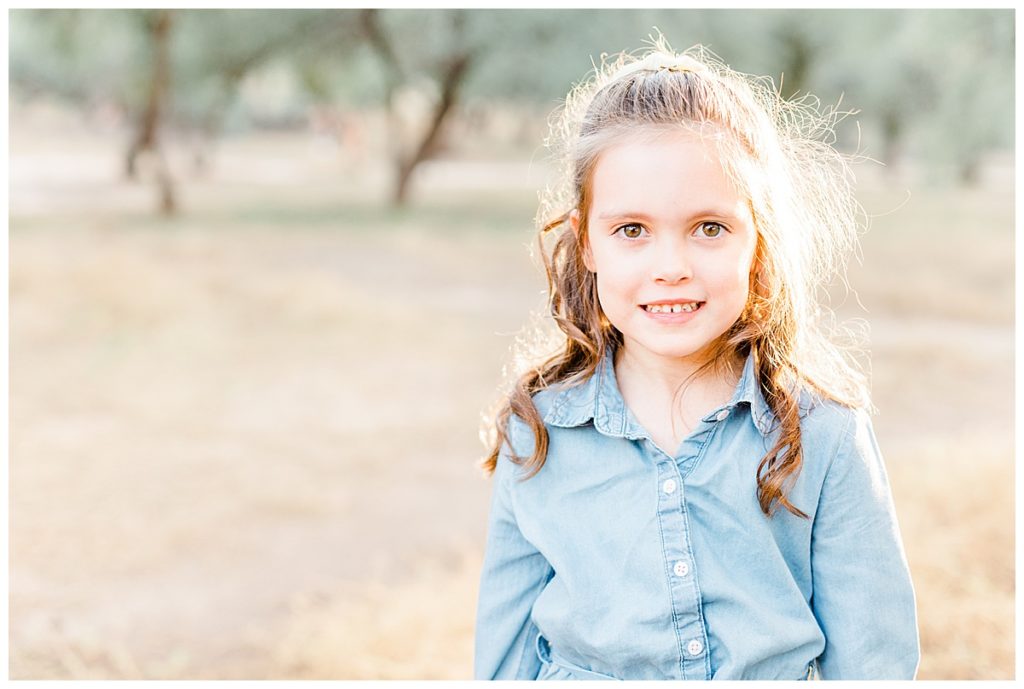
(678, 307)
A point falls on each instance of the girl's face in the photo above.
(671, 242)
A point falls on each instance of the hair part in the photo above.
(779, 155)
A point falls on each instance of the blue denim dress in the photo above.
(619, 561)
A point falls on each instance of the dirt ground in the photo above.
(243, 441)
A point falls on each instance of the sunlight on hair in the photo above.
(779, 154)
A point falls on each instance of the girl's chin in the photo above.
(665, 350)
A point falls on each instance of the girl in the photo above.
(690, 487)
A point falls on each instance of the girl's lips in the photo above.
(673, 306)
(672, 312)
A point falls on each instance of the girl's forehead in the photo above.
(707, 139)
(663, 168)
(668, 152)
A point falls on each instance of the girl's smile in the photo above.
(671, 242)
(672, 311)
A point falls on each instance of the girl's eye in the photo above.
(631, 231)
(710, 229)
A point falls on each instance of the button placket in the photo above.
(685, 593)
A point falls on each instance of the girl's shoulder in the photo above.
(547, 402)
(563, 404)
(822, 416)
(831, 429)
(568, 403)
(822, 413)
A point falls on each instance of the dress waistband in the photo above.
(547, 655)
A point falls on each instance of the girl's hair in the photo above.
(779, 155)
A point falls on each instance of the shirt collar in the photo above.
(598, 399)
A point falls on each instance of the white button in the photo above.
(681, 569)
(669, 486)
(720, 416)
(695, 647)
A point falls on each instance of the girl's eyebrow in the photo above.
(639, 215)
(615, 215)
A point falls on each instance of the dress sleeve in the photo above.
(863, 597)
(514, 573)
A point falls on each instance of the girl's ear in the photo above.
(574, 222)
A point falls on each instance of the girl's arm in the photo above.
(514, 573)
(863, 597)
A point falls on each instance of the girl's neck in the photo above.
(668, 375)
(669, 396)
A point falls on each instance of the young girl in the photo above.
(690, 487)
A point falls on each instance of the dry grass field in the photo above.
(243, 442)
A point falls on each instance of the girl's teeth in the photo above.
(673, 308)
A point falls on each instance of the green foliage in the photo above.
(217, 50)
(934, 84)
(78, 55)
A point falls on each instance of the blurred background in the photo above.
(266, 268)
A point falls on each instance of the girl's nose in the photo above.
(672, 263)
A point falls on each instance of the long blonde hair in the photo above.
(780, 156)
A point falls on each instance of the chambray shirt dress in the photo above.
(619, 561)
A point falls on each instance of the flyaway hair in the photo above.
(779, 153)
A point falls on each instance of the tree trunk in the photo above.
(968, 171)
(147, 135)
(799, 56)
(453, 77)
(373, 32)
(892, 137)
